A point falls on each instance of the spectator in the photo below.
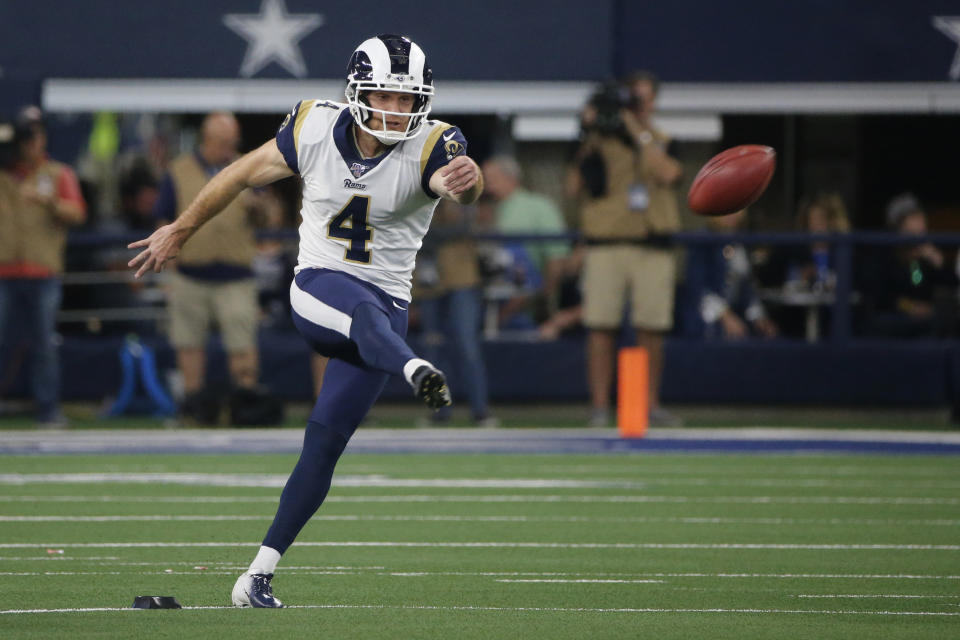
(39, 200)
(721, 301)
(911, 289)
(810, 266)
(520, 211)
(806, 268)
(626, 180)
(138, 198)
(450, 304)
(213, 282)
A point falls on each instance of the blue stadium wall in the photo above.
(861, 373)
(753, 41)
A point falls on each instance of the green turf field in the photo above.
(484, 546)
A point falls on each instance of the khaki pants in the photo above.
(196, 304)
(647, 275)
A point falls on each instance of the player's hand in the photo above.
(460, 175)
(162, 246)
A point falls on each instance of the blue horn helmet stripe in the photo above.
(398, 50)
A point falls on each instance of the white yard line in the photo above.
(498, 545)
(230, 568)
(578, 610)
(147, 518)
(159, 499)
(48, 558)
(274, 480)
(497, 519)
(277, 480)
(875, 595)
(503, 518)
(167, 572)
(790, 576)
(665, 499)
(726, 471)
(578, 581)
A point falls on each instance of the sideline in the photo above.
(525, 441)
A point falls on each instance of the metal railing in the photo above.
(840, 302)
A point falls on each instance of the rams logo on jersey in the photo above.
(286, 121)
(453, 149)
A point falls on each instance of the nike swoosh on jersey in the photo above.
(449, 137)
(398, 306)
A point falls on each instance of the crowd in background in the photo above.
(607, 267)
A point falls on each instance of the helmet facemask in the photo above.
(356, 94)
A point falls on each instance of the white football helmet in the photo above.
(389, 63)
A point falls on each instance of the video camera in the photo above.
(608, 101)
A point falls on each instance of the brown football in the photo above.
(732, 180)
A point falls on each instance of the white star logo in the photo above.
(950, 27)
(273, 35)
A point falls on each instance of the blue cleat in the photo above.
(254, 590)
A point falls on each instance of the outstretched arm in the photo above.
(460, 180)
(255, 169)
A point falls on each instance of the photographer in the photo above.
(625, 180)
(39, 200)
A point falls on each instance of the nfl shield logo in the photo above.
(358, 169)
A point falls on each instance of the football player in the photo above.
(373, 170)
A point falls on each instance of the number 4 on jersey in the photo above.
(351, 225)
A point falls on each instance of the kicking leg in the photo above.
(382, 347)
(343, 318)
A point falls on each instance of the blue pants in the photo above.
(35, 303)
(461, 308)
(361, 329)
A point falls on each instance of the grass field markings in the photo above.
(63, 573)
(579, 581)
(380, 570)
(114, 561)
(888, 500)
(147, 518)
(578, 610)
(816, 576)
(512, 498)
(55, 558)
(493, 518)
(163, 499)
(500, 545)
(753, 470)
(872, 595)
(167, 572)
(278, 480)
(778, 576)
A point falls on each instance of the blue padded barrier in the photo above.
(861, 373)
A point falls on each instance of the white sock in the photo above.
(410, 368)
(265, 562)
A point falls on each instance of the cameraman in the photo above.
(625, 180)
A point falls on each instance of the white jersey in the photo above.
(365, 217)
